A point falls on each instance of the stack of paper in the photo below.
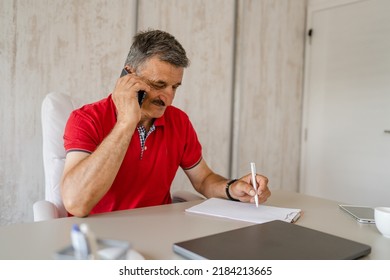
(245, 211)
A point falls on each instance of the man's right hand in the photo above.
(125, 97)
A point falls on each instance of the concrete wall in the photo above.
(243, 89)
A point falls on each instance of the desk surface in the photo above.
(153, 230)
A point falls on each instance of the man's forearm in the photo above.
(206, 182)
(214, 186)
(85, 183)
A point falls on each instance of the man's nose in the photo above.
(169, 93)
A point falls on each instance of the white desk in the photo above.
(153, 230)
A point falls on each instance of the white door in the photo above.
(346, 124)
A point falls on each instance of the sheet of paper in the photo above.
(244, 211)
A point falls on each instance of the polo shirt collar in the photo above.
(160, 121)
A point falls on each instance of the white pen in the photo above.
(254, 183)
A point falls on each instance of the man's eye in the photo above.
(155, 86)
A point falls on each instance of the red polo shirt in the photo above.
(140, 181)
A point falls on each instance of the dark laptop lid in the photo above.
(276, 240)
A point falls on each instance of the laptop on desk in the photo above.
(276, 240)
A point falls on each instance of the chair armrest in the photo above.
(182, 196)
(44, 210)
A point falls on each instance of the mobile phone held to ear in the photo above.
(141, 93)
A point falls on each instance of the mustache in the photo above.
(158, 102)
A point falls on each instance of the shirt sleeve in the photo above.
(80, 133)
(193, 149)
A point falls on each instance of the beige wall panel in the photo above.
(206, 30)
(269, 89)
(77, 47)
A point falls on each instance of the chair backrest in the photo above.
(55, 111)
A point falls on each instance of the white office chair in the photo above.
(55, 111)
(56, 108)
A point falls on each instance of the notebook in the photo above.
(275, 240)
(244, 211)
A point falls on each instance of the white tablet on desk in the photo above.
(363, 214)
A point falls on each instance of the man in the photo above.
(123, 155)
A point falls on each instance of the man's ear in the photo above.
(129, 69)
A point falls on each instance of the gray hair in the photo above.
(147, 44)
